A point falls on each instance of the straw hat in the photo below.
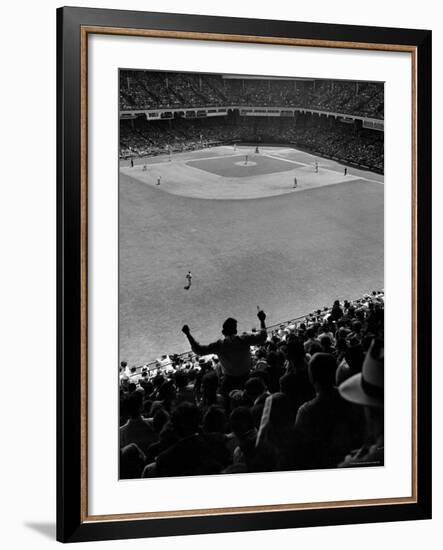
(367, 388)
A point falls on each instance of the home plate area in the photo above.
(246, 163)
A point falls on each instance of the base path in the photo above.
(223, 174)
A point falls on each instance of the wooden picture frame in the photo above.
(74, 523)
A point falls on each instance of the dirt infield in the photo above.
(289, 252)
(238, 167)
(222, 174)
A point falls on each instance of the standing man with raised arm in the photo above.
(232, 350)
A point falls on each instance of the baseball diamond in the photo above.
(290, 242)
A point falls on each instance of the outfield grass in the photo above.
(289, 254)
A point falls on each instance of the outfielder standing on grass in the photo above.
(188, 277)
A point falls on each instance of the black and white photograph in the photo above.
(251, 274)
(217, 224)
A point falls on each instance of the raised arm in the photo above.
(259, 338)
(197, 348)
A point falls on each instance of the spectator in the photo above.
(214, 420)
(351, 363)
(366, 389)
(166, 395)
(296, 386)
(193, 453)
(132, 461)
(255, 394)
(328, 421)
(210, 395)
(311, 333)
(288, 443)
(326, 344)
(137, 429)
(246, 453)
(233, 352)
(275, 369)
(184, 391)
(336, 311)
(326, 331)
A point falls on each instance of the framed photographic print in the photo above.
(244, 221)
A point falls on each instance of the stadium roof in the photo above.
(259, 77)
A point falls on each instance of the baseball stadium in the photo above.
(251, 303)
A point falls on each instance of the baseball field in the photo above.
(255, 229)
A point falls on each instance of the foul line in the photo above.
(325, 169)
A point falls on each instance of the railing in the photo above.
(254, 110)
(272, 329)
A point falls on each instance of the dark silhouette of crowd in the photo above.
(307, 394)
(157, 90)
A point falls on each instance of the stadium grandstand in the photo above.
(341, 120)
(177, 417)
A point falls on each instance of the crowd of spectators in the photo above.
(348, 143)
(336, 140)
(143, 138)
(157, 90)
(306, 395)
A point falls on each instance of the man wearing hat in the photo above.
(232, 350)
(367, 389)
